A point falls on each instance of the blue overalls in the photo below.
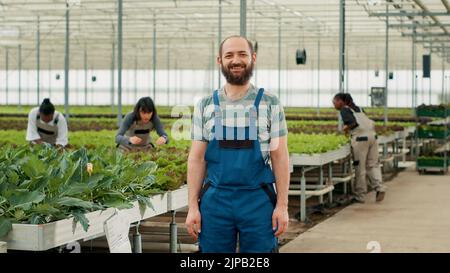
(238, 196)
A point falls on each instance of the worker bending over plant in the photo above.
(134, 132)
(46, 125)
(364, 147)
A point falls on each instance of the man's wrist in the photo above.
(282, 205)
(193, 206)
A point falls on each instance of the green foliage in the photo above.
(315, 143)
(172, 163)
(440, 110)
(331, 127)
(77, 109)
(327, 111)
(41, 184)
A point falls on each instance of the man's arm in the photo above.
(195, 176)
(196, 171)
(280, 164)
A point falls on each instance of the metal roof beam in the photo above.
(408, 14)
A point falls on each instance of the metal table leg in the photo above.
(404, 149)
(321, 183)
(303, 196)
(330, 179)
(137, 240)
(173, 234)
(395, 152)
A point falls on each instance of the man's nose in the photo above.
(236, 60)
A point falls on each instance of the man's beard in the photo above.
(234, 79)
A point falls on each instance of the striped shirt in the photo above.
(271, 119)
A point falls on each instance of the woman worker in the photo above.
(364, 147)
(46, 125)
(134, 132)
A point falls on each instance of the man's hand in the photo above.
(280, 220)
(135, 140)
(161, 141)
(194, 222)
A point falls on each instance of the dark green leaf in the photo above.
(146, 201)
(74, 202)
(13, 177)
(36, 219)
(76, 188)
(33, 167)
(81, 218)
(24, 199)
(45, 209)
(5, 226)
(116, 202)
(94, 179)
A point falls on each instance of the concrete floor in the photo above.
(414, 217)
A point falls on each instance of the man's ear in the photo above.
(254, 57)
(218, 60)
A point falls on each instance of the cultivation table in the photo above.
(46, 236)
(391, 144)
(311, 162)
(399, 149)
(2, 247)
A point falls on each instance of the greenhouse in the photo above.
(218, 126)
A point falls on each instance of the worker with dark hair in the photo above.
(364, 147)
(46, 125)
(134, 132)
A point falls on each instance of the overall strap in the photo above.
(216, 98)
(56, 119)
(254, 111)
(351, 109)
(258, 98)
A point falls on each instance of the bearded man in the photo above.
(237, 200)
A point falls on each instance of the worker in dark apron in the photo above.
(134, 132)
(46, 125)
(364, 148)
(233, 203)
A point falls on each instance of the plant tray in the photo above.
(432, 113)
(433, 134)
(46, 236)
(439, 163)
(320, 159)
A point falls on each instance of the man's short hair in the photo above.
(250, 45)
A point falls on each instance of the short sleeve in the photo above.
(197, 132)
(347, 116)
(278, 127)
